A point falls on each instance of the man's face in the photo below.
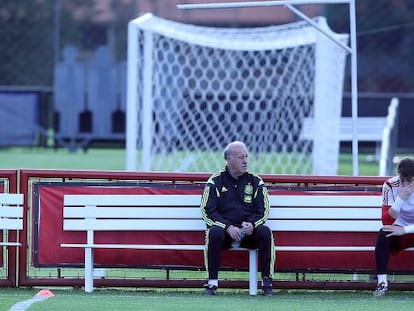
(237, 161)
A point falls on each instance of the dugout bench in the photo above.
(328, 230)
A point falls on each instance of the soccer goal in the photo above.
(194, 89)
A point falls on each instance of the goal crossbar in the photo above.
(250, 4)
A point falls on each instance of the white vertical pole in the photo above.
(132, 98)
(147, 103)
(327, 106)
(89, 263)
(354, 87)
(253, 272)
(88, 270)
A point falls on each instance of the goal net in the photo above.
(194, 89)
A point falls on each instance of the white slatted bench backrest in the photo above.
(132, 212)
(352, 213)
(11, 214)
(181, 212)
(368, 128)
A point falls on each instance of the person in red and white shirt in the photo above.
(397, 218)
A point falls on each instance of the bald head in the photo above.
(230, 148)
(236, 155)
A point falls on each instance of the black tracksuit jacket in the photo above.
(227, 201)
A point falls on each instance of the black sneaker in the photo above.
(381, 290)
(209, 290)
(267, 286)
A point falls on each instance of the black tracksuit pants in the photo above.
(218, 240)
(387, 246)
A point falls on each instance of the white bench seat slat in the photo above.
(10, 244)
(325, 225)
(132, 212)
(194, 200)
(194, 213)
(11, 224)
(133, 224)
(139, 246)
(325, 248)
(325, 200)
(132, 200)
(201, 247)
(11, 199)
(325, 213)
(197, 225)
(11, 211)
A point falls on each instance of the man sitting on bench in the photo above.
(235, 206)
(398, 219)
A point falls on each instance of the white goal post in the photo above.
(192, 89)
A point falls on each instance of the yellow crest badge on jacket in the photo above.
(248, 193)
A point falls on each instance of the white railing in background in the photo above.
(389, 137)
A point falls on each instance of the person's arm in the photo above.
(404, 193)
(388, 215)
(209, 206)
(398, 230)
(409, 229)
(395, 208)
(261, 203)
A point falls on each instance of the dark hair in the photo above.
(406, 169)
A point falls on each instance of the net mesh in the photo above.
(210, 86)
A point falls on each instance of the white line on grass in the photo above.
(24, 305)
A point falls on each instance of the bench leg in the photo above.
(252, 272)
(88, 270)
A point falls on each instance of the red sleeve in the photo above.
(386, 218)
